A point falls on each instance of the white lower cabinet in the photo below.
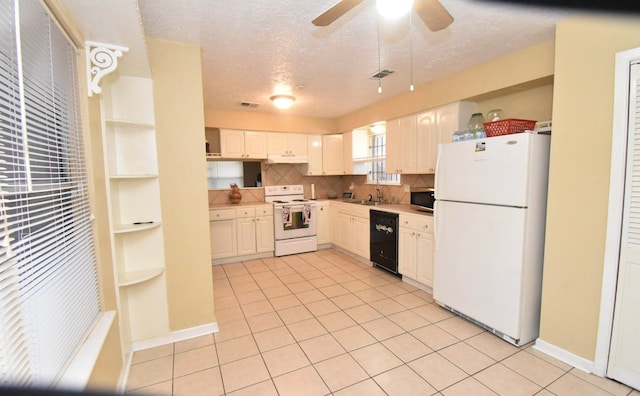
(415, 248)
(323, 229)
(351, 231)
(222, 225)
(246, 231)
(242, 231)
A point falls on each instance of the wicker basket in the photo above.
(508, 126)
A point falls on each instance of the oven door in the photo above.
(294, 221)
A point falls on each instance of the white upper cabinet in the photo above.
(412, 141)
(315, 161)
(332, 155)
(242, 144)
(286, 143)
(255, 145)
(426, 141)
(356, 152)
(401, 145)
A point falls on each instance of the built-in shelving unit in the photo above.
(133, 191)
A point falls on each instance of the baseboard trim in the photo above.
(417, 284)
(176, 336)
(564, 356)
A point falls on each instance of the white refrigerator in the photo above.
(489, 215)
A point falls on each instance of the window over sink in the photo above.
(376, 160)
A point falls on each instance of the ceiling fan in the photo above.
(434, 15)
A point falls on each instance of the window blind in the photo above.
(48, 278)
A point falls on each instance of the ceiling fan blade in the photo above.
(335, 12)
(434, 15)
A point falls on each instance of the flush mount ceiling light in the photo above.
(282, 101)
(394, 9)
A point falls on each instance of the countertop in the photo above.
(388, 207)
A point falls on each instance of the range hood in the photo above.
(287, 159)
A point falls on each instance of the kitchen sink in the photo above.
(362, 202)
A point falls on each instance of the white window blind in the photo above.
(48, 281)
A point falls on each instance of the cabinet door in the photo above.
(314, 151)
(360, 232)
(277, 143)
(264, 234)
(394, 145)
(347, 155)
(453, 117)
(332, 154)
(324, 224)
(343, 237)
(297, 143)
(231, 143)
(408, 144)
(426, 142)
(407, 252)
(255, 145)
(424, 258)
(246, 234)
(223, 238)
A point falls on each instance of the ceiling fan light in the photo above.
(394, 9)
(282, 101)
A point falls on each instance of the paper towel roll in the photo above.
(313, 191)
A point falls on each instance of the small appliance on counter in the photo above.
(423, 198)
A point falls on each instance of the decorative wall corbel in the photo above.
(102, 59)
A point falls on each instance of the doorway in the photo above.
(618, 345)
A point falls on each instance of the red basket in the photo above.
(508, 126)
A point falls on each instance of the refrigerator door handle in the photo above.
(435, 225)
(437, 170)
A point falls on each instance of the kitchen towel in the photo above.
(306, 214)
(286, 216)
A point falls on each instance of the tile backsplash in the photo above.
(278, 174)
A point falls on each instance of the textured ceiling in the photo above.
(254, 49)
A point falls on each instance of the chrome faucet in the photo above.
(379, 192)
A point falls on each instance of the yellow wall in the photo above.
(520, 83)
(579, 178)
(528, 68)
(256, 121)
(177, 82)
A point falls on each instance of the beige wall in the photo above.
(525, 69)
(579, 178)
(177, 80)
(256, 121)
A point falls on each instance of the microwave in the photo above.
(423, 198)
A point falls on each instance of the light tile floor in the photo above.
(323, 323)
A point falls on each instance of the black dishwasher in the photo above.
(383, 248)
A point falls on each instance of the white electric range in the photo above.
(294, 219)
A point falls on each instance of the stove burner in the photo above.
(278, 201)
(299, 200)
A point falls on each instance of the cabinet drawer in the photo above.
(222, 214)
(425, 224)
(245, 212)
(408, 221)
(359, 211)
(265, 210)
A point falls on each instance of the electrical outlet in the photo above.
(407, 187)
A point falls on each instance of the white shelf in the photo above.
(128, 123)
(126, 228)
(134, 177)
(139, 276)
